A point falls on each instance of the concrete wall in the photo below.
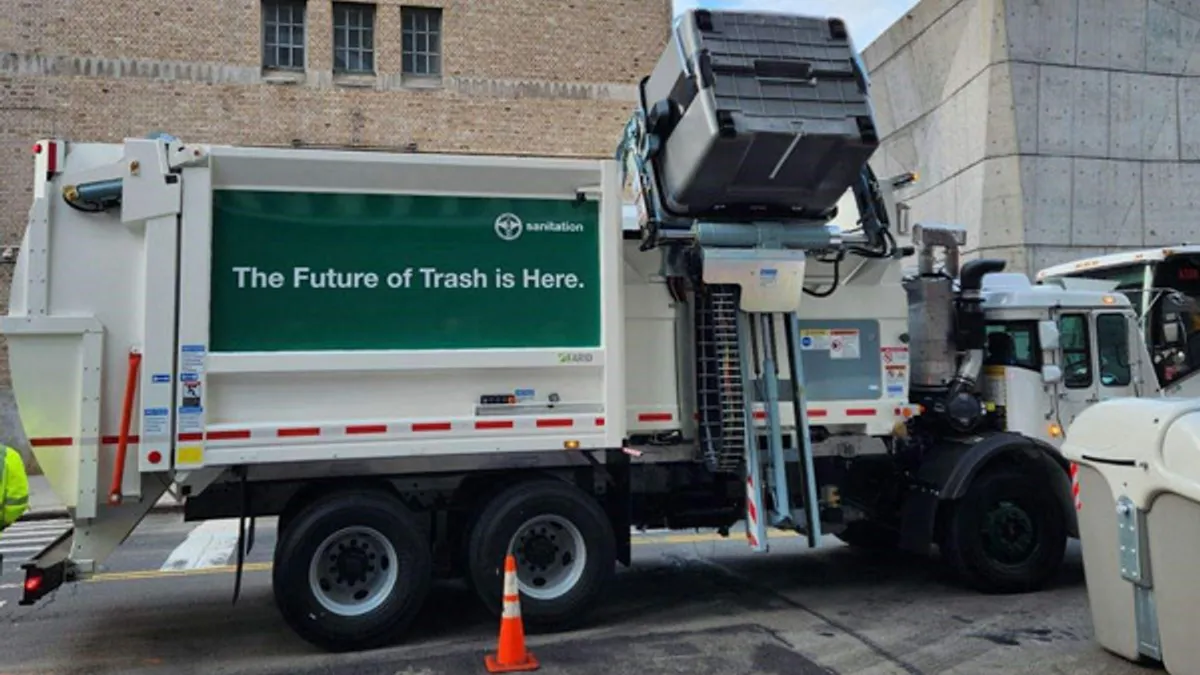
(1052, 129)
(519, 77)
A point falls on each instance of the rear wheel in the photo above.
(351, 571)
(564, 548)
(1008, 534)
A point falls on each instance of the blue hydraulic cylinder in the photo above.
(103, 190)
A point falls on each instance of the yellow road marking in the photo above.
(636, 540)
(160, 574)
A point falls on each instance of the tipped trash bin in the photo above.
(1139, 525)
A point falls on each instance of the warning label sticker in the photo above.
(896, 376)
(156, 423)
(894, 355)
(191, 420)
(192, 358)
(844, 344)
(191, 394)
(817, 340)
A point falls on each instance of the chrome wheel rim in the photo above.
(354, 571)
(551, 556)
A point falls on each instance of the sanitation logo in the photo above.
(510, 227)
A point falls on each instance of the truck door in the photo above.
(1078, 388)
(1115, 359)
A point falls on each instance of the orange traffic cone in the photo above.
(511, 655)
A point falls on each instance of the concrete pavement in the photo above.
(691, 603)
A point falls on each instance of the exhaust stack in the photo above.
(947, 327)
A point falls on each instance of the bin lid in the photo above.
(1143, 446)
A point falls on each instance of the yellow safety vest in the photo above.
(14, 488)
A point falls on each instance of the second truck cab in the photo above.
(1053, 350)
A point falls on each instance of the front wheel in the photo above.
(351, 571)
(1008, 534)
(564, 547)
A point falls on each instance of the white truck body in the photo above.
(91, 289)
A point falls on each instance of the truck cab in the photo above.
(1163, 288)
(1055, 349)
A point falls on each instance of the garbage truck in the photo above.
(1163, 285)
(420, 363)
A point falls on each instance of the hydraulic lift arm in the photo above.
(745, 257)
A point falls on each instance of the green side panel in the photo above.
(326, 271)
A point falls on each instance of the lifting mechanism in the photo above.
(746, 273)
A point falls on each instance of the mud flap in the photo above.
(917, 519)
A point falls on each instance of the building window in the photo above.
(1076, 348)
(1112, 344)
(422, 27)
(353, 38)
(283, 34)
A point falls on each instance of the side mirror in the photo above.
(1051, 374)
(1048, 335)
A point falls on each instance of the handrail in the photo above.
(114, 490)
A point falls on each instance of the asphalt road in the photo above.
(692, 603)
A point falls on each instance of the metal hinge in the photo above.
(1135, 568)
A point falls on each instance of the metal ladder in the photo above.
(720, 381)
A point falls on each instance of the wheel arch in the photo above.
(311, 491)
(948, 472)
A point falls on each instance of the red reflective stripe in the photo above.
(494, 424)
(558, 422)
(51, 442)
(599, 421)
(432, 426)
(817, 413)
(367, 429)
(113, 440)
(760, 414)
(298, 431)
(860, 412)
(230, 435)
(655, 417)
(191, 437)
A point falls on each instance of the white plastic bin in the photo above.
(1139, 523)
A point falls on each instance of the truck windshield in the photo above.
(1012, 343)
(1181, 274)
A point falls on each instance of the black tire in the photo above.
(1008, 534)
(497, 525)
(299, 543)
(869, 536)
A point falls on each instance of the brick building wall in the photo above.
(512, 77)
